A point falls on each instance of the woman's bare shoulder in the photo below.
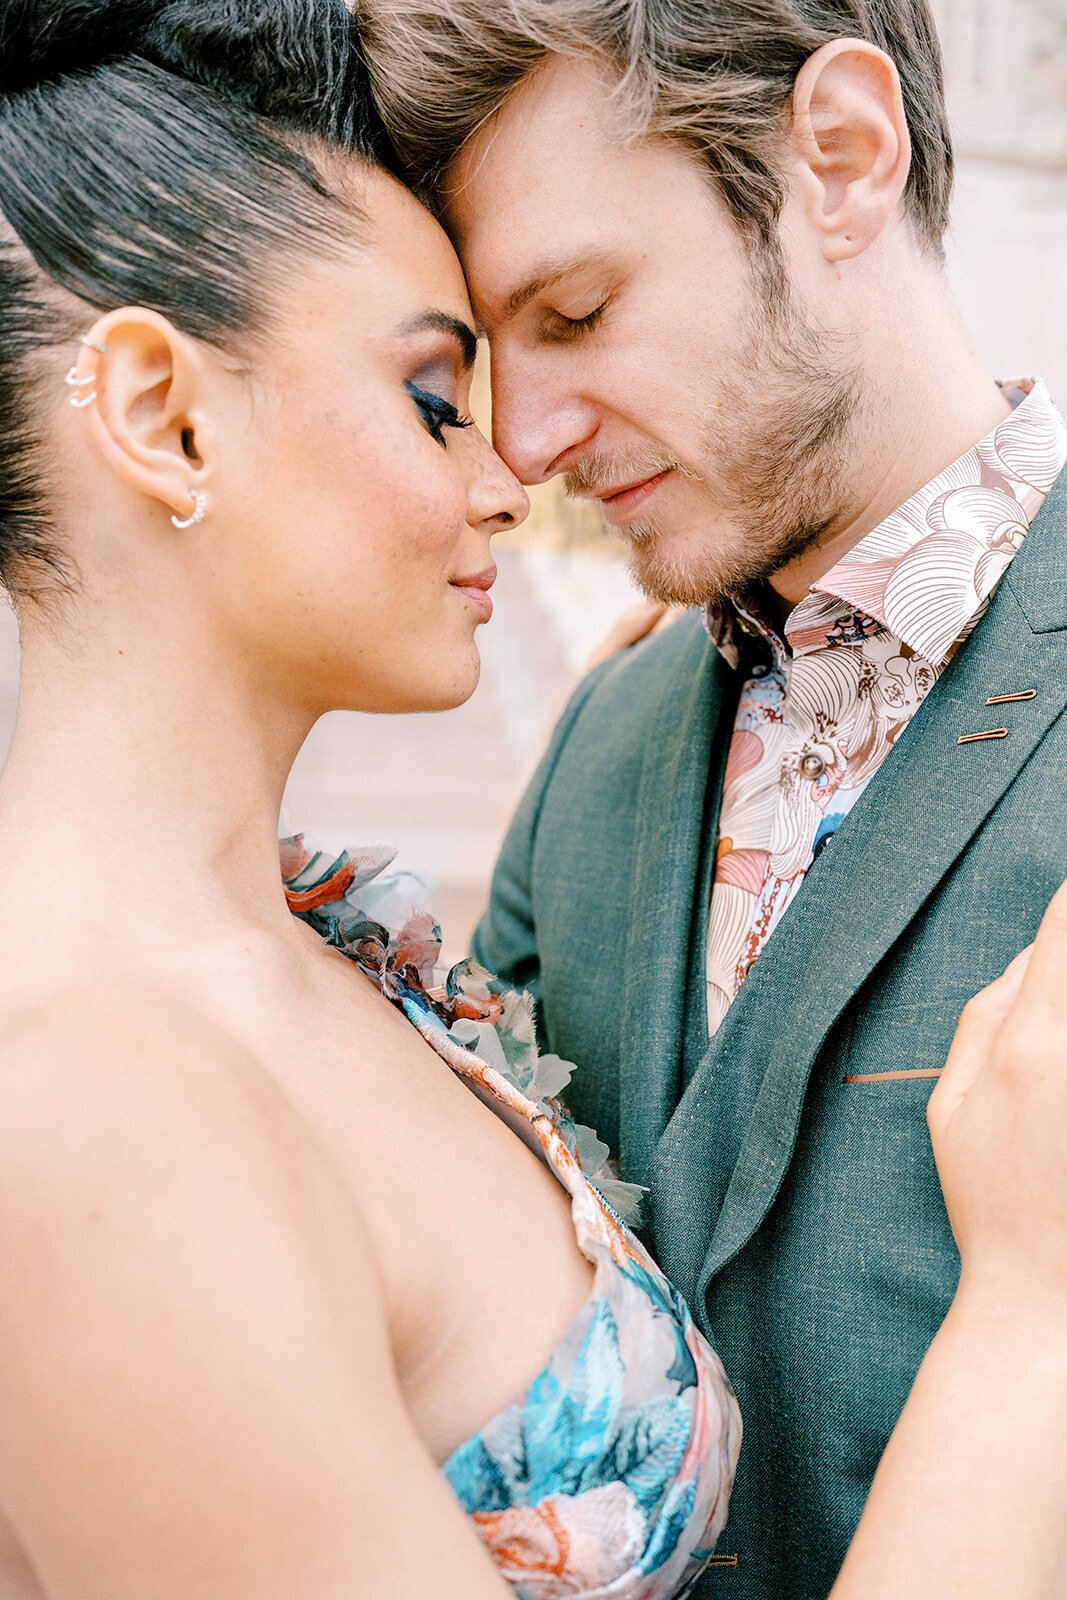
(196, 1380)
(127, 1115)
(85, 1068)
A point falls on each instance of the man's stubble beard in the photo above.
(780, 454)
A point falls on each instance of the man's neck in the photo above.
(927, 407)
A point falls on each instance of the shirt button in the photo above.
(812, 766)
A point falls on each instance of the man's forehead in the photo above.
(552, 189)
(549, 139)
(529, 204)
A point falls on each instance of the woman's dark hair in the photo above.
(160, 155)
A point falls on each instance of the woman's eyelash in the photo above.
(437, 413)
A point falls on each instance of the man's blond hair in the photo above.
(714, 75)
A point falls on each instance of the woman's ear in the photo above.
(850, 134)
(148, 419)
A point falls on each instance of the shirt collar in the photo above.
(927, 572)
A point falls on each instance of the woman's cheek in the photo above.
(439, 517)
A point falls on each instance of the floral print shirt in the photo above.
(822, 708)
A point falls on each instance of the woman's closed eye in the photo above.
(437, 412)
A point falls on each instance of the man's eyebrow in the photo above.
(442, 322)
(547, 276)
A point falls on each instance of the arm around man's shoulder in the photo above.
(197, 1394)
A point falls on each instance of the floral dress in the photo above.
(608, 1478)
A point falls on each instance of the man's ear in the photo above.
(851, 138)
(148, 420)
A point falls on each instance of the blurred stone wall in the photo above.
(1006, 76)
(1006, 79)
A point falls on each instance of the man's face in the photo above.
(637, 346)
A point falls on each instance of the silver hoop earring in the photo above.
(79, 402)
(199, 511)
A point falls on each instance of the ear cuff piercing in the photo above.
(72, 381)
(199, 511)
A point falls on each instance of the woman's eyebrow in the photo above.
(443, 322)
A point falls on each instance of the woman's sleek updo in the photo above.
(159, 155)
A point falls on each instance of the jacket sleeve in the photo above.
(505, 940)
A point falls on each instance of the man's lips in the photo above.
(476, 588)
(622, 504)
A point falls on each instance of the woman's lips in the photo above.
(622, 505)
(476, 589)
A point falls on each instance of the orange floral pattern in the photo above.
(822, 709)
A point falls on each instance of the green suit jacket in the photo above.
(801, 1215)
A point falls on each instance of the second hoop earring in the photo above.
(72, 381)
(199, 511)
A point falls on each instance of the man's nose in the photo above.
(538, 427)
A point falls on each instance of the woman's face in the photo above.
(359, 563)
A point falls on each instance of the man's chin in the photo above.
(669, 569)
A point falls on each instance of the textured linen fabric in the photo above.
(822, 708)
(800, 1214)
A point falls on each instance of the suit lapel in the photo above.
(680, 779)
(916, 817)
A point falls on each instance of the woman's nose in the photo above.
(497, 499)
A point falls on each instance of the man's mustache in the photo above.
(601, 473)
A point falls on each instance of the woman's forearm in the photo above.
(970, 1499)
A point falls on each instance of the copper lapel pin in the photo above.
(998, 700)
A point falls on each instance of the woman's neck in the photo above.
(146, 767)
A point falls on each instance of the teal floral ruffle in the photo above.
(609, 1477)
(347, 899)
